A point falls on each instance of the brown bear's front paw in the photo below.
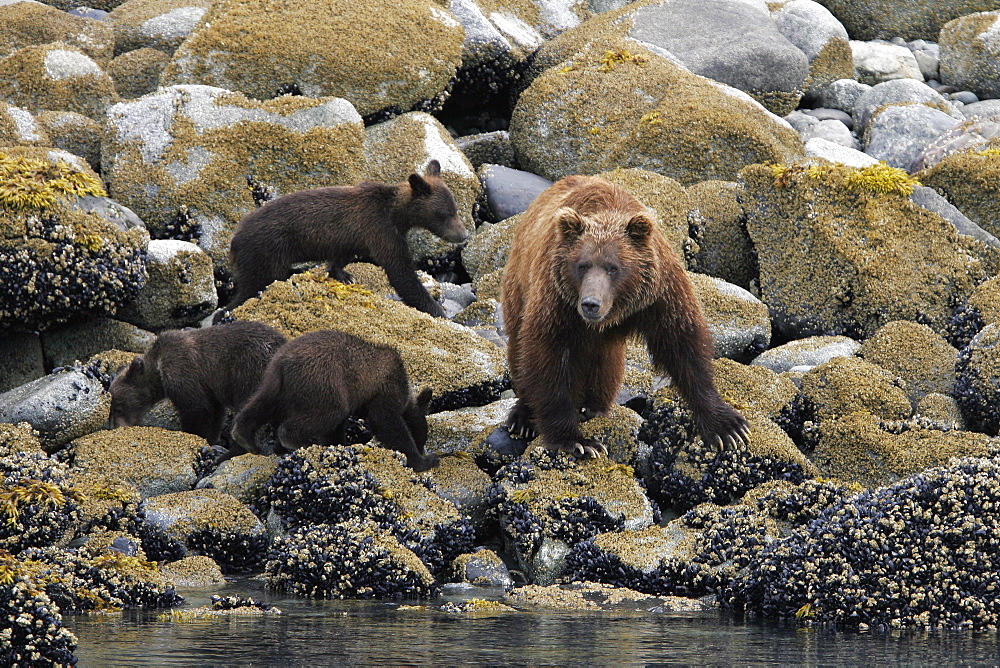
(585, 447)
(423, 462)
(519, 424)
(724, 427)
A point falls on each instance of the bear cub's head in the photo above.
(605, 261)
(134, 390)
(433, 207)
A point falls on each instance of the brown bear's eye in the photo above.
(582, 268)
(612, 269)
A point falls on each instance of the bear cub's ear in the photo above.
(420, 187)
(433, 168)
(136, 366)
(424, 400)
(639, 227)
(570, 223)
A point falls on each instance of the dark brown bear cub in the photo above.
(202, 372)
(589, 267)
(338, 224)
(315, 382)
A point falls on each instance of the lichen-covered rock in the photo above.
(463, 368)
(598, 596)
(693, 555)
(179, 291)
(877, 255)
(334, 484)
(155, 460)
(74, 133)
(21, 359)
(389, 54)
(969, 179)
(922, 552)
(804, 354)
(482, 568)
(56, 77)
(969, 52)
(137, 73)
(66, 344)
(351, 559)
(193, 571)
(978, 387)
(244, 477)
(58, 260)
(157, 24)
(717, 225)
(547, 502)
(754, 388)
(208, 522)
(820, 36)
(738, 321)
(180, 157)
(846, 385)
(38, 505)
(19, 128)
(403, 146)
(24, 24)
(610, 102)
(886, 19)
(872, 452)
(915, 353)
(62, 406)
(940, 408)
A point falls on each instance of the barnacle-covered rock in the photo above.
(463, 368)
(463, 429)
(863, 449)
(18, 437)
(804, 354)
(969, 180)
(718, 226)
(79, 341)
(486, 252)
(351, 559)
(978, 388)
(56, 76)
(738, 321)
(333, 484)
(61, 406)
(686, 472)
(477, 606)
(223, 606)
(137, 73)
(754, 388)
(404, 145)
(180, 157)
(208, 522)
(38, 504)
(31, 627)
(847, 385)
(982, 308)
(156, 461)
(74, 133)
(598, 596)
(796, 505)
(693, 555)
(244, 477)
(18, 127)
(482, 568)
(921, 357)
(459, 480)
(854, 231)
(31, 23)
(194, 571)
(922, 552)
(389, 54)
(56, 260)
(940, 408)
(547, 502)
(158, 24)
(105, 502)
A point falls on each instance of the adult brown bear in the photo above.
(318, 380)
(203, 372)
(588, 267)
(339, 223)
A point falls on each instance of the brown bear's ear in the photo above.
(420, 187)
(639, 227)
(424, 399)
(433, 168)
(570, 223)
(136, 366)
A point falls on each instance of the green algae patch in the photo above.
(462, 367)
(843, 250)
(585, 116)
(971, 181)
(392, 53)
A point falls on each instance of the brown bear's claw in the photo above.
(588, 448)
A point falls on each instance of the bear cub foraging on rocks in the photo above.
(337, 224)
(588, 267)
(318, 380)
(202, 372)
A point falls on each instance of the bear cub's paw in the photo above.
(724, 427)
(519, 423)
(585, 447)
(423, 462)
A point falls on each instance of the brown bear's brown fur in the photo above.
(589, 267)
(337, 224)
(315, 382)
(202, 372)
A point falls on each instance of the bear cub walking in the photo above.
(339, 223)
(588, 268)
(203, 372)
(315, 382)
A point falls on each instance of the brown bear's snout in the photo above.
(595, 296)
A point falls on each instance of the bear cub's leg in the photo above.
(520, 423)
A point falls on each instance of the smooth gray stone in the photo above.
(929, 199)
(61, 406)
(510, 191)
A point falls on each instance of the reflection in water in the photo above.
(366, 632)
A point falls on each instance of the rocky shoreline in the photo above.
(827, 171)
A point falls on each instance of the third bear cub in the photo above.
(339, 223)
(315, 382)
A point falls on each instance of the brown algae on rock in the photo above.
(847, 385)
(598, 596)
(915, 353)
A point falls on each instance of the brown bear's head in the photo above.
(134, 390)
(606, 262)
(433, 207)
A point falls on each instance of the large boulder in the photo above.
(19, 128)
(817, 33)
(389, 53)
(969, 52)
(33, 23)
(158, 24)
(969, 180)
(615, 103)
(181, 157)
(717, 224)
(885, 19)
